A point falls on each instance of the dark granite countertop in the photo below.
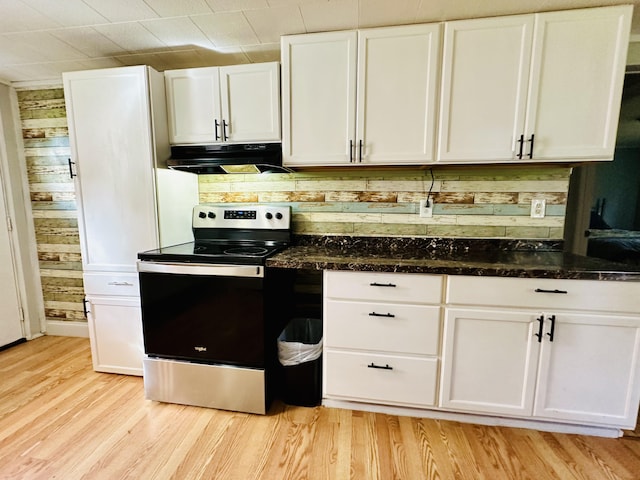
(448, 256)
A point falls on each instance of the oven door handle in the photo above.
(211, 270)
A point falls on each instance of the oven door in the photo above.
(203, 313)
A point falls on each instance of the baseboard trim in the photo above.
(67, 329)
(610, 432)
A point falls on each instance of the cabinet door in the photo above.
(397, 93)
(193, 105)
(110, 132)
(590, 372)
(484, 84)
(576, 83)
(318, 98)
(250, 99)
(115, 331)
(489, 361)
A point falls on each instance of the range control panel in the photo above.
(245, 216)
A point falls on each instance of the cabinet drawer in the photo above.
(382, 326)
(115, 284)
(384, 287)
(409, 381)
(609, 296)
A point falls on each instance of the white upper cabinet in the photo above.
(351, 98)
(485, 73)
(318, 98)
(239, 103)
(396, 101)
(193, 105)
(543, 87)
(577, 73)
(250, 99)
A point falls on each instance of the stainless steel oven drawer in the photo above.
(212, 386)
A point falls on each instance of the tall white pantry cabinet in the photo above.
(118, 136)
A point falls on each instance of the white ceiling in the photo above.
(40, 39)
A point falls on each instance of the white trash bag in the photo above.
(300, 342)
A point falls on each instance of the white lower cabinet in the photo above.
(382, 337)
(590, 371)
(115, 330)
(534, 351)
(554, 364)
(490, 361)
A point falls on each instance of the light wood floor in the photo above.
(60, 419)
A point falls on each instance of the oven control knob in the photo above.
(279, 216)
(202, 215)
(211, 215)
(269, 215)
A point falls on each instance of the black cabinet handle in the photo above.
(388, 315)
(216, 124)
(361, 145)
(530, 154)
(84, 307)
(376, 284)
(225, 137)
(521, 142)
(386, 367)
(540, 319)
(350, 151)
(71, 174)
(553, 327)
(541, 290)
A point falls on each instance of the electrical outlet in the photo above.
(426, 208)
(538, 207)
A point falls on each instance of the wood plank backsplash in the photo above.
(472, 201)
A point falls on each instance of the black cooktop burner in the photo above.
(211, 252)
(247, 251)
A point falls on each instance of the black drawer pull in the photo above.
(71, 164)
(540, 319)
(521, 142)
(540, 290)
(386, 367)
(376, 284)
(530, 154)
(388, 315)
(553, 327)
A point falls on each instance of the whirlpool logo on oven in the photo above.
(200, 349)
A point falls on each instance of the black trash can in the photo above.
(300, 355)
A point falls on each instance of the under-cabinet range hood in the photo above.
(228, 158)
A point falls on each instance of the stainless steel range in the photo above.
(211, 311)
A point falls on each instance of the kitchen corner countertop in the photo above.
(453, 257)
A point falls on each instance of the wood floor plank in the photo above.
(60, 419)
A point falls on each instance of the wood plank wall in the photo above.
(490, 202)
(470, 201)
(46, 141)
